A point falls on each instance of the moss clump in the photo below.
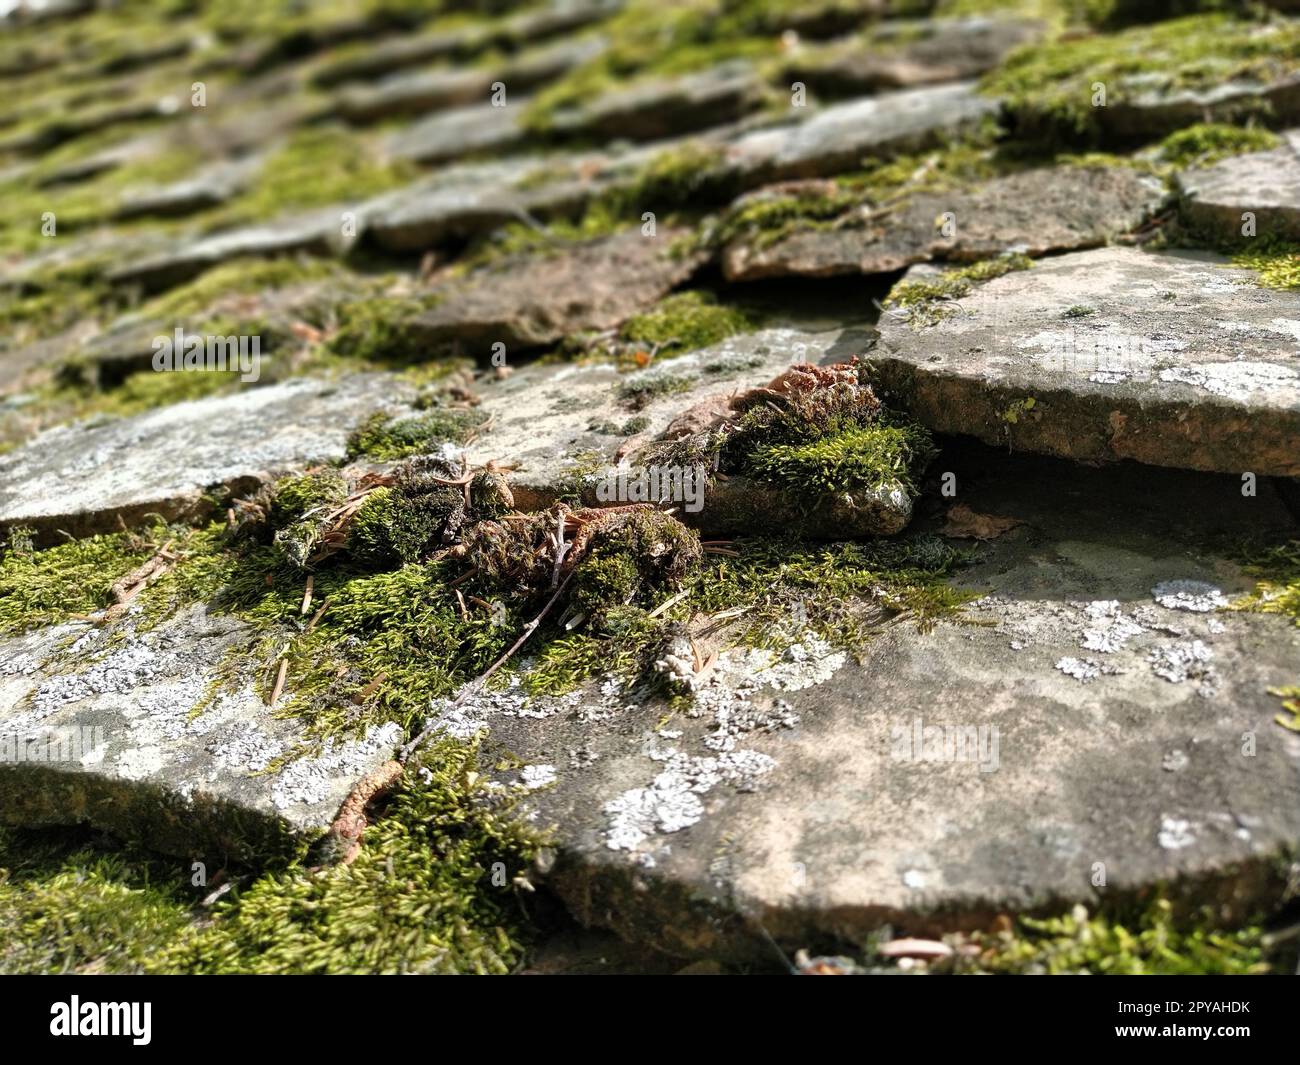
(1049, 87)
(1208, 142)
(685, 321)
(420, 513)
(1148, 942)
(383, 437)
(376, 331)
(296, 498)
(642, 390)
(873, 458)
(637, 556)
(432, 891)
(824, 435)
(299, 509)
(318, 167)
(420, 898)
(924, 300)
(39, 588)
(1277, 263)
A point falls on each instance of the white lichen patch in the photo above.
(310, 779)
(1083, 669)
(1184, 661)
(1110, 630)
(671, 801)
(1175, 833)
(1198, 597)
(532, 777)
(1233, 380)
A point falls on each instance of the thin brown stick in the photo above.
(350, 823)
(279, 681)
(306, 595)
(668, 604)
(369, 690)
(320, 612)
(477, 685)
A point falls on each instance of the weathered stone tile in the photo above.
(545, 417)
(1265, 184)
(1036, 212)
(1153, 113)
(530, 300)
(212, 186)
(412, 50)
(397, 54)
(111, 727)
(471, 198)
(663, 107)
(449, 135)
(413, 93)
(81, 478)
(840, 136)
(1168, 358)
(430, 90)
(905, 54)
(318, 232)
(1093, 718)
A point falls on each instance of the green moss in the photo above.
(383, 437)
(1018, 409)
(420, 897)
(925, 299)
(1147, 942)
(377, 330)
(873, 458)
(74, 909)
(39, 588)
(1277, 263)
(685, 321)
(1051, 85)
(238, 277)
(644, 389)
(319, 166)
(432, 891)
(296, 498)
(1079, 311)
(1208, 142)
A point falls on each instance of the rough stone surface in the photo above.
(415, 93)
(1152, 113)
(663, 107)
(80, 478)
(839, 137)
(461, 131)
(471, 198)
(1169, 358)
(532, 300)
(1057, 209)
(792, 796)
(1266, 184)
(553, 420)
(215, 185)
(905, 54)
(111, 727)
(318, 232)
